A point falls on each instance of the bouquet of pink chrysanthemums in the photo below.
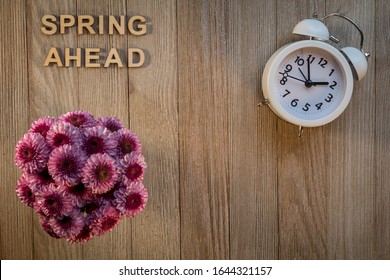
(80, 174)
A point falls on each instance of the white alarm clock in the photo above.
(309, 82)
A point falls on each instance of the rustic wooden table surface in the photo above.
(227, 180)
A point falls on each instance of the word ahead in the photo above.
(91, 58)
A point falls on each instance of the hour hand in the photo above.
(320, 83)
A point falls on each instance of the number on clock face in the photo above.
(310, 83)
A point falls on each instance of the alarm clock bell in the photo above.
(313, 28)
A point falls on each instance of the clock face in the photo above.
(307, 83)
(310, 83)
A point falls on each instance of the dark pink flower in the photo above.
(132, 200)
(132, 168)
(111, 123)
(79, 194)
(42, 125)
(68, 226)
(84, 235)
(65, 165)
(97, 140)
(99, 173)
(45, 223)
(91, 206)
(79, 119)
(104, 220)
(32, 153)
(38, 180)
(52, 201)
(127, 142)
(109, 196)
(63, 133)
(24, 191)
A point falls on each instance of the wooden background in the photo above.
(227, 180)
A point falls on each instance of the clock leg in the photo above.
(300, 131)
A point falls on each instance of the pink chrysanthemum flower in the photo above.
(42, 125)
(132, 200)
(127, 142)
(24, 192)
(63, 133)
(97, 140)
(32, 153)
(38, 180)
(132, 168)
(79, 119)
(99, 173)
(68, 226)
(109, 196)
(79, 194)
(52, 201)
(111, 123)
(84, 235)
(45, 223)
(104, 220)
(65, 165)
(90, 207)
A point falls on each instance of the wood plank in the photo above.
(104, 92)
(203, 119)
(302, 175)
(16, 219)
(382, 131)
(52, 91)
(351, 150)
(253, 151)
(153, 107)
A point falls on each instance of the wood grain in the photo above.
(380, 59)
(352, 182)
(226, 179)
(253, 153)
(16, 235)
(153, 104)
(203, 119)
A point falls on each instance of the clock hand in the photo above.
(308, 70)
(320, 83)
(287, 75)
(303, 75)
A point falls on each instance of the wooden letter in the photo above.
(141, 57)
(101, 24)
(120, 27)
(89, 20)
(92, 54)
(66, 21)
(53, 57)
(69, 57)
(140, 28)
(113, 57)
(49, 22)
